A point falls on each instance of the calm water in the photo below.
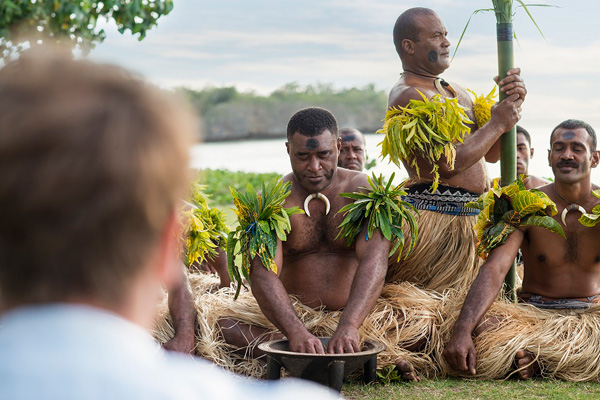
(270, 156)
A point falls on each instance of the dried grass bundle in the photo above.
(564, 342)
(403, 317)
(444, 256)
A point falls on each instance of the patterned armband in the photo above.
(380, 207)
(482, 106)
(261, 220)
(592, 218)
(203, 228)
(504, 210)
(428, 129)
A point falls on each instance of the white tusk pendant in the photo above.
(568, 208)
(319, 196)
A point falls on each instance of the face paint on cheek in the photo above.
(568, 135)
(330, 174)
(312, 144)
(432, 56)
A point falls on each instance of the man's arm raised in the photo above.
(275, 303)
(460, 351)
(484, 142)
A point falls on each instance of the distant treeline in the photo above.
(228, 114)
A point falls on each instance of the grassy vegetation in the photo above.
(218, 181)
(449, 389)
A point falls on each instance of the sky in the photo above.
(263, 44)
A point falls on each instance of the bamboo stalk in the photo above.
(508, 143)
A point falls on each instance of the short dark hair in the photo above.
(312, 121)
(406, 27)
(576, 124)
(523, 131)
(349, 131)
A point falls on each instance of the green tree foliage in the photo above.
(230, 114)
(28, 22)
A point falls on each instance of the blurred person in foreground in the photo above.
(524, 154)
(93, 164)
(353, 153)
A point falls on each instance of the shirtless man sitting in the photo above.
(314, 266)
(559, 273)
(524, 154)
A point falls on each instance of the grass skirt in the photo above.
(564, 342)
(403, 316)
(444, 256)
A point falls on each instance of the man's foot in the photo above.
(407, 371)
(526, 364)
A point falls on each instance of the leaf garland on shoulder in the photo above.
(482, 106)
(261, 220)
(428, 129)
(381, 207)
(504, 210)
(203, 227)
(591, 219)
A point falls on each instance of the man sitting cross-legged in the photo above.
(323, 286)
(561, 274)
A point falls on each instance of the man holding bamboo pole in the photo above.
(443, 178)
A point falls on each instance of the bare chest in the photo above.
(580, 248)
(316, 233)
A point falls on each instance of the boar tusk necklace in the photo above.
(570, 206)
(319, 196)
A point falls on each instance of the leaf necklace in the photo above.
(570, 206)
(439, 83)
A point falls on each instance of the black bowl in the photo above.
(327, 369)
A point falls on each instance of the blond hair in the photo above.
(92, 162)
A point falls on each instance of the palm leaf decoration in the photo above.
(427, 128)
(380, 207)
(203, 227)
(504, 209)
(482, 106)
(261, 221)
(592, 218)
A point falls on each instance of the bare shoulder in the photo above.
(288, 177)
(401, 94)
(547, 188)
(464, 98)
(537, 181)
(352, 181)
